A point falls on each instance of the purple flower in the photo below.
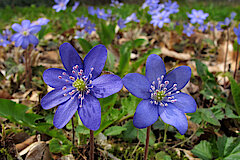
(223, 25)
(171, 7)
(116, 3)
(89, 27)
(78, 87)
(41, 21)
(188, 29)
(152, 4)
(79, 34)
(101, 14)
(91, 10)
(82, 21)
(3, 41)
(121, 23)
(25, 36)
(233, 15)
(197, 16)
(156, 10)
(76, 4)
(7, 33)
(160, 18)
(161, 95)
(61, 5)
(237, 32)
(203, 27)
(132, 17)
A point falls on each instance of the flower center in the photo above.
(159, 95)
(25, 33)
(80, 85)
(160, 17)
(61, 4)
(1, 40)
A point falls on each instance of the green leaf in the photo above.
(235, 89)
(196, 116)
(142, 133)
(131, 132)
(56, 146)
(162, 156)
(138, 42)
(129, 104)
(233, 151)
(125, 52)
(114, 130)
(222, 144)
(86, 46)
(106, 33)
(82, 130)
(203, 150)
(209, 117)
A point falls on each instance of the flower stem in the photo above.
(225, 59)
(165, 132)
(73, 132)
(91, 154)
(28, 69)
(147, 142)
(236, 65)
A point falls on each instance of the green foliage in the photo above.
(106, 33)
(114, 130)
(86, 46)
(162, 156)
(203, 150)
(235, 89)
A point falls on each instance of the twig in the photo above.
(147, 143)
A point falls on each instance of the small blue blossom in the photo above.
(116, 3)
(89, 27)
(82, 21)
(171, 7)
(24, 35)
(156, 10)
(203, 27)
(61, 5)
(132, 17)
(91, 10)
(197, 16)
(160, 18)
(233, 15)
(222, 25)
(152, 4)
(77, 88)
(79, 34)
(7, 33)
(161, 95)
(188, 29)
(41, 21)
(121, 23)
(101, 14)
(237, 32)
(3, 41)
(76, 4)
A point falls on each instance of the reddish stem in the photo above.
(147, 142)
(91, 154)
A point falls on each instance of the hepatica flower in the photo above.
(160, 94)
(78, 87)
(61, 5)
(160, 18)
(24, 35)
(171, 7)
(82, 21)
(79, 34)
(41, 21)
(76, 4)
(121, 23)
(89, 27)
(188, 29)
(237, 32)
(197, 16)
(3, 41)
(91, 10)
(132, 17)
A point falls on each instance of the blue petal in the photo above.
(50, 77)
(137, 84)
(96, 59)
(26, 24)
(180, 76)
(34, 29)
(90, 112)
(65, 112)
(25, 43)
(155, 67)
(17, 27)
(33, 40)
(146, 114)
(55, 97)
(18, 41)
(185, 103)
(172, 115)
(69, 57)
(106, 85)
(15, 36)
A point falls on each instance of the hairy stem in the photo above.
(147, 142)
(91, 154)
(236, 65)
(73, 132)
(165, 132)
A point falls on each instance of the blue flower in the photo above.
(197, 16)
(161, 95)
(116, 3)
(3, 41)
(79, 34)
(101, 14)
(233, 15)
(160, 18)
(156, 10)
(171, 7)
(132, 17)
(78, 87)
(25, 36)
(91, 10)
(188, 29)
(82, 21)
(41, 21)
(223, 25)
(7, 33)
(237, 32)
(76, 4)
(152, 4)
(121, 23)
(89, 27)
(203, 27)
(61, 5)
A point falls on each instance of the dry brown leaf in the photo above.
(26, 143)
(188, 153)
(5, 95)
(173, 54)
